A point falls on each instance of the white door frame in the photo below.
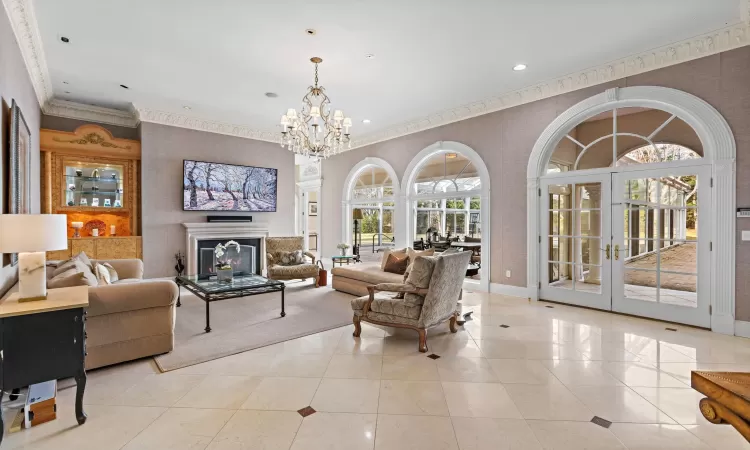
(303, 191)
(484, 195)
(718, 150)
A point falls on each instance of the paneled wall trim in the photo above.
(719, 149)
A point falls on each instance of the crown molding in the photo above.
(25, 28)
(81, 111)
(727, 38)
(210, 126)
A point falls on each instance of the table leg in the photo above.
(80, 386)
(2, 424)
(208, 327)
(179, 295)
(282, 302)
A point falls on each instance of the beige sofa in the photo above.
(129, 319)
(354, 279)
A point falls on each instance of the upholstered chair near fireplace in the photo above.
(285, 259)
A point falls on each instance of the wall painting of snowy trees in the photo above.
(227, 187)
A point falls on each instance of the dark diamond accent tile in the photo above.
(549, 306)
(671, 329)
(504, 326)
(306, 411)
(433, 356)
(604, 423)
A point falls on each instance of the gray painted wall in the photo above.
(163, 150)
(67, 124)
(15, 83)
(505, 139)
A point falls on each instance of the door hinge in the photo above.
(540, 239)
(712, 181)
(540, 192)
(540, 285)
(710, 246)
(710, 310)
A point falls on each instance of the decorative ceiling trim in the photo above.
(25, 28)
(81, 111)
(211, 126)
(27, 34)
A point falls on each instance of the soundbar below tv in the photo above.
(227, 187)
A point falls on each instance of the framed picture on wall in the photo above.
(312, 209)
(20, 166)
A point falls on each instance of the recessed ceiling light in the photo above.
(370, 56)
(365, 120)
(519, 67)
(64, 39)
(124, 87)
(271, 94)
(311, 31)
(67, 92)
(65, 82)
(187, 107)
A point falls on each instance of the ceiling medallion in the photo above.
(316, 131)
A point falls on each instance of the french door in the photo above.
(634, 242)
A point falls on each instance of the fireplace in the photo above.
(247, 260)
(202, 237)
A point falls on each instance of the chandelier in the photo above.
(316, 131)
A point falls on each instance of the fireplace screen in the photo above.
(242, 261)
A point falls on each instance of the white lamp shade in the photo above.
(21, 233)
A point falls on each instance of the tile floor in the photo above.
(534, 384)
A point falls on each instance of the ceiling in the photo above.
(219, 58)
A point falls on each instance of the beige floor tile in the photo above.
(679, 404)
(336, 431)
(415, 433)
(321, 343)
(596, 350)
(349, 345)
(103, 388)
(642, 375)
(401, 345)
(476, 370)
(282, 393)
(560, 435)
(292, 365)
(347, 395)
(499, 349)
(107, 427)
(656, 437)
(414, 367)
(581, 373)
(247, 363)
(368, 331)
(452, 345)
(494, 434)
(417, 398)
(548, 402)
(354, 366)
(619, 404)
(267, 430)
(158, 390)
(720, 437)
(480, 400)
(521, 371)
(181, 428)
(220, 391)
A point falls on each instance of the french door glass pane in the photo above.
(559, 249)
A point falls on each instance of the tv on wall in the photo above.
(227, 187)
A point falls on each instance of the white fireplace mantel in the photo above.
(198, 231)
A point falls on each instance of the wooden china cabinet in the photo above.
(94, 179)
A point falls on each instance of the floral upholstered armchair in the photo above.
(285, 259)
(428, 297)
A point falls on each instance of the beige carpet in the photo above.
(242, 324)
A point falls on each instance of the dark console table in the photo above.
(44, 340)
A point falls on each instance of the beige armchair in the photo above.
(275, 247)
(422, 307)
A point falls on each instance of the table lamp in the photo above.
(31, 235)
(358, 216)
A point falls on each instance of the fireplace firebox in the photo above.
(247, 260)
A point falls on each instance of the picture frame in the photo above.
(19, 167)
(95, 202)
(312, 209)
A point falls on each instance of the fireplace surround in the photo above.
(246, 233)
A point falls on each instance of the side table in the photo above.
(44, 340)
(341, 259)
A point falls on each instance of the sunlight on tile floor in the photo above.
(517, 376)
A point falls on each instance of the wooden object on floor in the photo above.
(44, 340)
(727, 398)
(125, 247)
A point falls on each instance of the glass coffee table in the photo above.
(344, 259)
(209, 289)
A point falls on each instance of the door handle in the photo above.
(606, 251)
(617, 252)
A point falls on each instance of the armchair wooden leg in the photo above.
(454, 318)
(422, 340)
(357, 326)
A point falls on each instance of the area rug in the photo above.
(246, 323)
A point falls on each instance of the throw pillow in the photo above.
(421, 272)
(102, 274)
(289, 258)
(113, 276)
(68, 279)
(414, 253)
(65, 265)
(400, 253)
(395, 264)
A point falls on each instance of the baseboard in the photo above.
(742, 328)
(506, 289)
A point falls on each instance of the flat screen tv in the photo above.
(226, 187)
